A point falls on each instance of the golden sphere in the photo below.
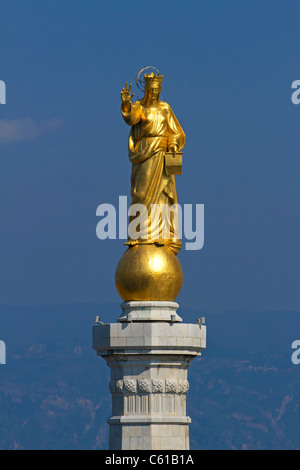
(149, 272)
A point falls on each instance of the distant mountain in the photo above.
(54, 390)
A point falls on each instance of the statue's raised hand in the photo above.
(126, 96)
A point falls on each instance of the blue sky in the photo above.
(228, 67)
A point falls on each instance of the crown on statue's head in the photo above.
(152, 78)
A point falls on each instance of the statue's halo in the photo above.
(140, 76)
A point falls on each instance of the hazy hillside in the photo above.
(54, 390)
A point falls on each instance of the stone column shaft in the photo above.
(149, 363)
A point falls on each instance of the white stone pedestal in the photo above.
(149, 360)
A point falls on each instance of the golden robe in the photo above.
(154, 130)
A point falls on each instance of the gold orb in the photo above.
(149, 272)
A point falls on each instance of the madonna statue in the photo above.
(149, 270)
(155, 131)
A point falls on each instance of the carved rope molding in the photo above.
(143, 386)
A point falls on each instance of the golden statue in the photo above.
(150, 270)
